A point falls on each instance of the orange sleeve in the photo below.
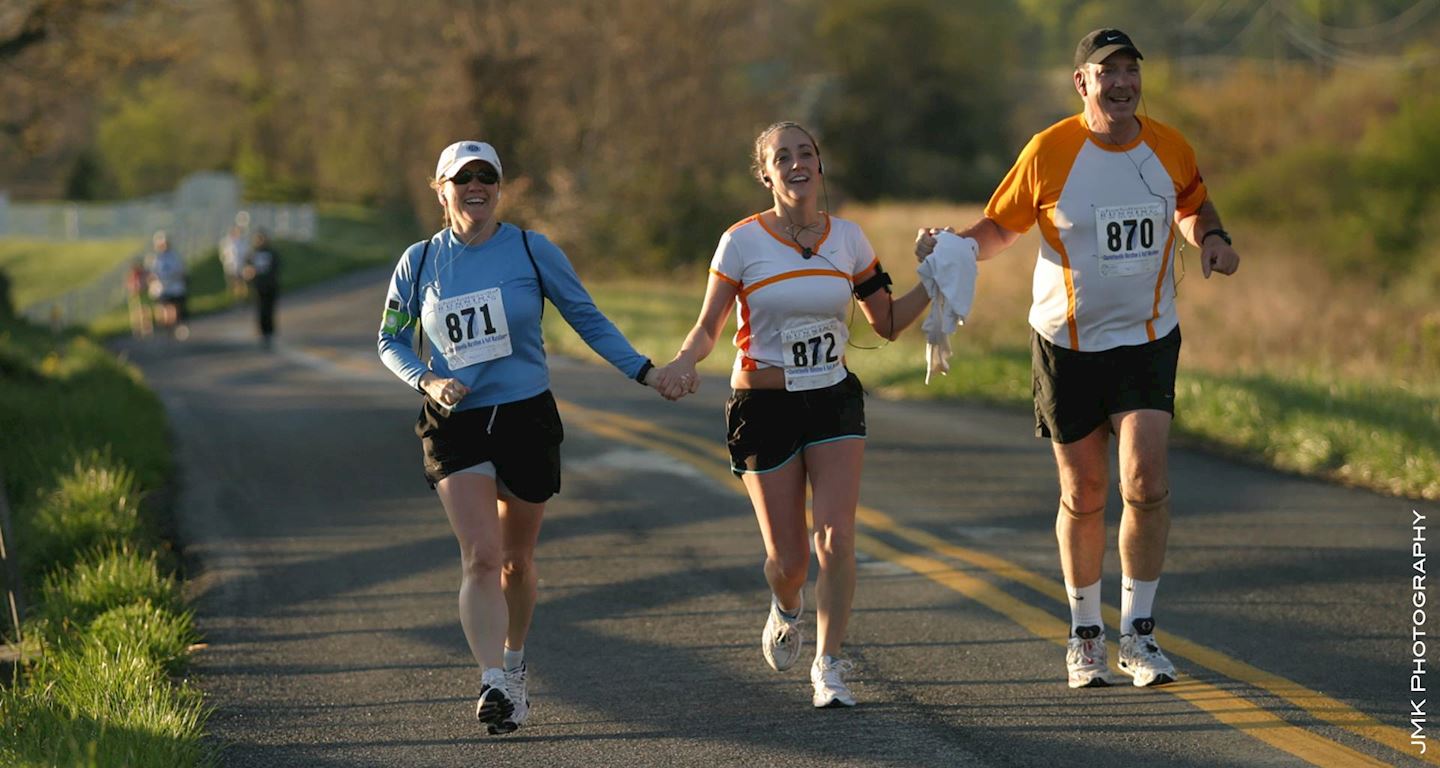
(1015, 203)
(1179, 160)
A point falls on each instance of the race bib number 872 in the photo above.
(813, 353)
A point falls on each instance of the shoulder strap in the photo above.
(419, 331)
(525, 238)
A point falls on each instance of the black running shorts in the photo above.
(769, 427)
(521, 438)
(1075, 392)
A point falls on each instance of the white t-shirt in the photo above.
(1104, 276)
(782, 293)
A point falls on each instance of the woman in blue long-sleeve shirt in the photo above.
(489, 427)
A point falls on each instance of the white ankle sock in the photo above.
(1084, 606)
(1137, 601)
(788, 616)
(513, 659)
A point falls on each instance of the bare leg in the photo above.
(520, 529)
(469, 501)
(779, 501)
(1080, 525)
(1145, 486)
(834, 470)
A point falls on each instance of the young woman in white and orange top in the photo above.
(790, 272)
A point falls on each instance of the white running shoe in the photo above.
(1141, 657)
(827, 674)
(495, 705)
(1086, 658)
(782, 640)
(516, 684)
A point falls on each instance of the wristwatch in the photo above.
(645, 369)
(1216, 231)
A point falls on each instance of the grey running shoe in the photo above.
(782, 641)
(1141, 657)
(494, 706)
(827, 674)
(516, 685)
(1086, 658)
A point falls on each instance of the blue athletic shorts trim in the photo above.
(739, 471)
(767, 428)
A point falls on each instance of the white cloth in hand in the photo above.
(948, 275)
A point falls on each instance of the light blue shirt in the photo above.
(452, 270)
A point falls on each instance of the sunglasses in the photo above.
(486, 175)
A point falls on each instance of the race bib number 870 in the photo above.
(1130, 239)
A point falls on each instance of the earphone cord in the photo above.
(1179, 263)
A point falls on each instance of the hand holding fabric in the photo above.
(948, 274)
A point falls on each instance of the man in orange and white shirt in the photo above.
(1112, 193)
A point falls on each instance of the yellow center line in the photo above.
(714, 461)
(1228, 708)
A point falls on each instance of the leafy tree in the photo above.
(920, 96)
(82, 44)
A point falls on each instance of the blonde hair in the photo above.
(436, 183)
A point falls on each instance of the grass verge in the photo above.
(44, 269)
(107, 629)
(108, 632)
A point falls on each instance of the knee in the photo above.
(832, 543)
(518, 564)
(792, 567)
(1144, 483)
(1082, 496)
(1146, 501)
(480, 563)
(1083, 500)
(1087, 510)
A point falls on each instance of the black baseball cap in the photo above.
(1098, 45)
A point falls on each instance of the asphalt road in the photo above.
(324, 576)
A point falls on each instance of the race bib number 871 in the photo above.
(1130, 238)
(473, 328)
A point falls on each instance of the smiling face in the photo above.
(791, 164)
(470, 205)
(1111, 89)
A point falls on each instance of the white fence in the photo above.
(196, 215)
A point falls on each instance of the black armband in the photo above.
(644, 370)
(876, 282)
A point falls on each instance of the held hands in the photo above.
(925, 241)
(675, 380)
(1216, 255)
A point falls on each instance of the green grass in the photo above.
(98, 502)
(85, 443)
(1368, 434)
(107, 628)
(44, 269)
(102, 705)
(1371, 434)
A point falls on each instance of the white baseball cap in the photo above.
(458, 154)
